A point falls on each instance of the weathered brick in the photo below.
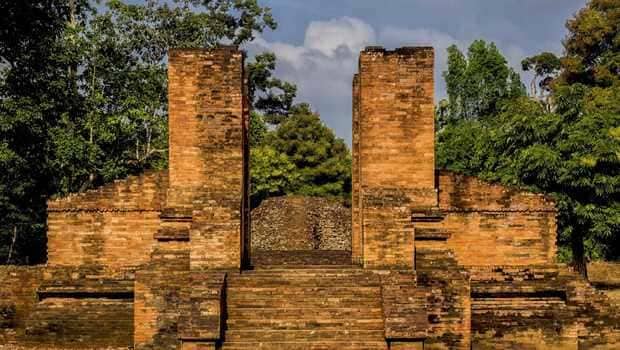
(437, 260)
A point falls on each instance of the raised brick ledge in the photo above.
(171, 234)
(202, 311)
(102, 210)
(431, 234)
(460, 210)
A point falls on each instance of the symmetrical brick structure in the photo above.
(436, 261)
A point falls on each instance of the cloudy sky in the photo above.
(318, 41)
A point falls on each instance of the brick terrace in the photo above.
(437, 260)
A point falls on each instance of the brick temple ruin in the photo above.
(437, 260)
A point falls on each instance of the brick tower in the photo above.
(208, 153)
(394, 157)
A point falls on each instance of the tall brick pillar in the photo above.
(396, 150)
(208, 153)
(356, 214)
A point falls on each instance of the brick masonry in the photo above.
(292, 223)
(395, 138)
(111, 226)
(437, 260)
(208, 158)
(356, 210)
(496, 225)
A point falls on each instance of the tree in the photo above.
(322, 161)
(34, 92)
(570, 153)
(478, 83)
(272, 174)
(267, 94)
(576, 161)
(592, 47)
(544, 66)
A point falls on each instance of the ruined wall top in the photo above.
(426, 51)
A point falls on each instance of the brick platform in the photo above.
(437, 260)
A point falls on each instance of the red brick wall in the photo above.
(495, 225)
(157, 296)
(110, 226)
(207, 151)
(396, 150)
(18, 293)
(397, 122)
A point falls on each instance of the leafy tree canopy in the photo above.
(479, 82)
(321, 161)
(269, 95)
(592, 46)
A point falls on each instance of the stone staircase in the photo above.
(309, 307)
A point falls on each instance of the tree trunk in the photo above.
(579, 259)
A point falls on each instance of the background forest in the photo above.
(83, 102)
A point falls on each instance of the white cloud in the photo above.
(323, 66)
(330, 36)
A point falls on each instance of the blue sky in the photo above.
(318, 41)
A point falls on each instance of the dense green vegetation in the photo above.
(299, 156)
(563, 140)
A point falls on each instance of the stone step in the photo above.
(297, 313)
(259, 335)
(306, 324)
(303, 278)
(285, 283)
(307, 270)
(309, 303)
(331, 307)
(304, 345)
(303, 267)
(307, 290)
(300, 257)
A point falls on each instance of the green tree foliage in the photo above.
(544, 66)
(83, 95)
(477, 84)
(34, 93)
(267, 94)
(592, 46)
(321, 162)
(273, 174)
(571, 151)
(572, 157)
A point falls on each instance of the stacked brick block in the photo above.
(111, 226)
(396, 150)
(540, 307)
(356, 210)
(605, 276)
(18, 297)
(208, 158)
(204, 222)
(496, 225)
